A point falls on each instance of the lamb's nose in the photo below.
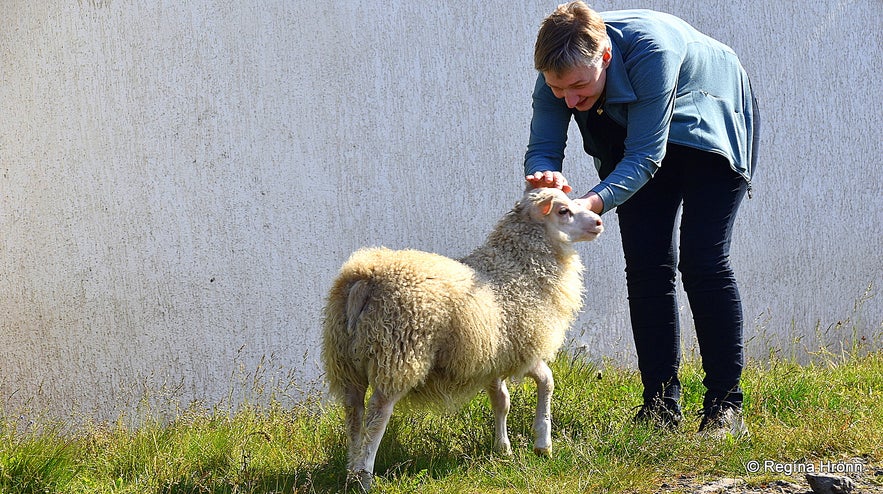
(598, 222)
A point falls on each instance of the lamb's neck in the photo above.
(506, 257)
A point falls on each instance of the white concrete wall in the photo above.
(181, 181)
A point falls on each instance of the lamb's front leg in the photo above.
(542, 424)
(499, 396)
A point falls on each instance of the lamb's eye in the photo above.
(565, 211)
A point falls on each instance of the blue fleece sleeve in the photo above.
(548, 130)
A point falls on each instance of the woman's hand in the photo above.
(592, 202)
(550, 179)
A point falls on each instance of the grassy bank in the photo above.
(826, 410)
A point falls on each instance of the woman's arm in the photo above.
(653, 76)
(548, 131)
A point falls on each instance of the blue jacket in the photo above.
(666, 83)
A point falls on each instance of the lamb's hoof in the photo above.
(545, 452)
(503, 449)
(363, 479)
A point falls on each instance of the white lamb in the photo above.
(421, 326)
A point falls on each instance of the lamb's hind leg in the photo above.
(354, 409)
(499, 397)
(542, 424)
(377, 417)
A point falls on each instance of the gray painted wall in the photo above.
(180, 182)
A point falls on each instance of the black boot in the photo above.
(722, 419)
(660, 413)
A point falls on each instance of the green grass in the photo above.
(826, 409)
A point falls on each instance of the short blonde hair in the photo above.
(572, 36)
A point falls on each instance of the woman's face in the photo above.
(580, 87)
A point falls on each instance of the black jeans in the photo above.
(710, 193)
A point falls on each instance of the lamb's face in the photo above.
(564, 218)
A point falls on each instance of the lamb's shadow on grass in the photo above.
(397, 459)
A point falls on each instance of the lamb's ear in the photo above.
(545, 206)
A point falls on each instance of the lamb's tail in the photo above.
(356, 301)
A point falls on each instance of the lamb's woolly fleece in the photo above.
(439, 329)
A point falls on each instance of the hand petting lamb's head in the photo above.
(564, 218)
